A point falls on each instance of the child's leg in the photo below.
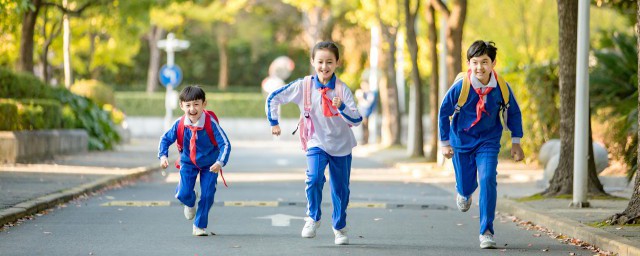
(184, 190)
(208, 181)
(340, 173)
(465, 168)
(317, 161)
(487, 161)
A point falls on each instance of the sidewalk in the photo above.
(27, 189)
(516, 180)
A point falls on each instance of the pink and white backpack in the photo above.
(305, 124)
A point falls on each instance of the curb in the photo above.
(42, 203)
(599, 238)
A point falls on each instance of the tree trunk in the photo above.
(432, 155)
(562, 181)
(454, 38)
(25, 61)
(415, 110)
(66, 47)
(223, 76)
(631, 214)
(389, 92)
(594, 186)
(153, 37)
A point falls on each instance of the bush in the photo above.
(9, 113)
(22, 85)
(99, 92)
(88, 116)
(224, 104)
(30, 114)
(35, 114)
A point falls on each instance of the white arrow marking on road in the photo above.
(281, 220)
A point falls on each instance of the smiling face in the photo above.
(481, 67)
(324, 63)
(193, 109)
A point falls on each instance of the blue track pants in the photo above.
(186, 195)
(339, 172)
(482, 163)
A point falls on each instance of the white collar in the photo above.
(475, 82)
(200, 122)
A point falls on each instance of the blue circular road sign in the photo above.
(170, 75)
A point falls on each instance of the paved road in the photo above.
(389, 217)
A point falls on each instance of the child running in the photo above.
(204, 151)
(470, 131)
(328, 111)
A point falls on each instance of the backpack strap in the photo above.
(180, 134)
(209, 127)
(306, 91)
(339, 88)
(464, 93)
(504, 89)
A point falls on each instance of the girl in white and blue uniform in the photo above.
(331, 143)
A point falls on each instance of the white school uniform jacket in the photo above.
(332, 134)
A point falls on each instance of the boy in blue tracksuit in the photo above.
(472, 135)
(199, 155)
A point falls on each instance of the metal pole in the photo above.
(581, 140)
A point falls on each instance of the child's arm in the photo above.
(347, 107)
(446, 110)
(223, 143)
(291, 92)
(514, 123)
(166, 140)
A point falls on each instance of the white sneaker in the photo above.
(309, 229)
(189, 212)
(341, 237)
(486, 241)
(199, 231)
(463, 203)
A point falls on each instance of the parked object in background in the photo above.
(550, 155)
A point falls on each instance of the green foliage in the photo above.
(9, 113)
(93, 89)
(224, 104)
(614, 95)
(21, 85)
(536, 89)
(88, 116)
(30, 114)
(35, 114)
(40, 106)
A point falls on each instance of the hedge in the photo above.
(224, 104)
(30, 114)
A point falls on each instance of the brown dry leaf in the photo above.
(536, 235)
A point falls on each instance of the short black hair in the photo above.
(191, 93)
(480, 47)
(331, 46)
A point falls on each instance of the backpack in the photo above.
(208, 127)
(466, 87)
(305, 124)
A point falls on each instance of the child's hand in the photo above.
(164, 163)
(336, 102)
(275, 130)
(447, 151)
(215, 168)
(516, 152)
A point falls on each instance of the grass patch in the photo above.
(538, 197)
